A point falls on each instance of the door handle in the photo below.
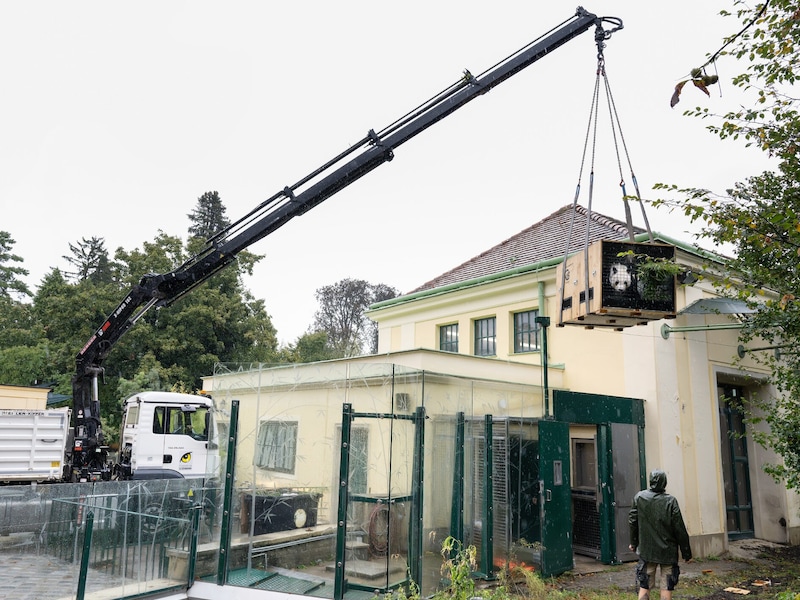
(548, 495)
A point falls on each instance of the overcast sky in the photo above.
(118, 116)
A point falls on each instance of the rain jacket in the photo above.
(656, 525)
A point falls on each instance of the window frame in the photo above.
(484, 342)
(450, 346)
(281, 454)
(533, 330)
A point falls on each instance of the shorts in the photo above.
(646, 575)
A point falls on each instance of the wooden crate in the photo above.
(620, 295)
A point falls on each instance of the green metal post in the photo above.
(193, 544)
(457, 502)
(606, 472)
(642, 461)
(487, 532)
(339, 583)
(227, 503)
(545, 323)
(415, 531)
(87, 549)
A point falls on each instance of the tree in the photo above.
(218, 321)
(23, 355)
(341, 314)
(311, 347)
(380, 292)
(10, 274)
(90, 260)
(760, 217)
(69, 313)
(208, 217)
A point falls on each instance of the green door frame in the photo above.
(736, 469)
(341, 585)
(602, 410)
(553, 500)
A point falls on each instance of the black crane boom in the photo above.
(89, 458)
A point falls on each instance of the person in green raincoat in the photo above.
(657, 532)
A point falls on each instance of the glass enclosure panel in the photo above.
(378, 519)
(283, 530)
(132, 537)
(293, 435)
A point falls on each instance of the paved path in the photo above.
(32, 577)
(28, 575)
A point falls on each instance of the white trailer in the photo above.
(33, 444)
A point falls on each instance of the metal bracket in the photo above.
(666, 329)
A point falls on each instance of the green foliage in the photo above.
(149, 377)
(310, 347)
(459, 564)
(656, 274)
(22, 365)
(760, 216)
(18, 324)
(162, 255)
(10, 274)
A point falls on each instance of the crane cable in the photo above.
(616, 127)
(618, 137)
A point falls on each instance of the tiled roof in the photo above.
(544, 240)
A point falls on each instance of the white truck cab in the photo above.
(168, 435)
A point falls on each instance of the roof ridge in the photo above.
(529, 245)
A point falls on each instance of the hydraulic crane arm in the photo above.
(358, 160)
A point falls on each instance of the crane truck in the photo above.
(88, 455)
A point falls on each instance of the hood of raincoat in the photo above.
(658, 480)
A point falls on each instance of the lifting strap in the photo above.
(618, 138)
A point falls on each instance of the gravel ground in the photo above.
(742, 556)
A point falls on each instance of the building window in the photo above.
(584, 464)
(448, 338)
(485, 336)
(276, 446)
(526, 331)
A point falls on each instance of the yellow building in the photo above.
(683, 377)
(23, 397)
(636, 389)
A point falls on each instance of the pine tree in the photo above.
(9, 274)
(208, 217)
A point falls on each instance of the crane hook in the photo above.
(601, 35)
